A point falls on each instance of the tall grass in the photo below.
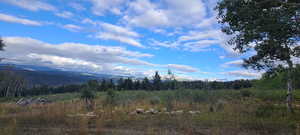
(229, 112)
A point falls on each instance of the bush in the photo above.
(155, 100)
(246, 93)
(111, 97)
(264, 111)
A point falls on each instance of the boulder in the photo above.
(194, 112)
(140, 111)
(30, 101)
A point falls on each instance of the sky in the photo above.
(121, 37)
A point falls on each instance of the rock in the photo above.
(140, 111)
(194, 112)
(132, 113)
(91, 114)
(164, 110)
(25, 102)
(151, 111)
(177, 112)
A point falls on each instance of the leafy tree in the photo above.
(157, 81)
(111, 96)
(88, 95)
(93, 84)
(2, 45)
(270, 27)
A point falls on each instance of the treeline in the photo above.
(277, 79)
(152, 84)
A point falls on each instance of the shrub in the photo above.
(111, 97)
(246, 93)
(264, 111)
(155, 100)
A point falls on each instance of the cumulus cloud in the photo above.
(32, 5)
(122, 39)
(83, 57)
(77, 6)
(236, 63)
(244, 74)
(14, 19)
(72, 27)
(101, 7)
(62, 62)
(118, 30)
(65, 14)
(183, 68)
(115, 32)
(144, 13)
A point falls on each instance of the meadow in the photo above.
(219, 112)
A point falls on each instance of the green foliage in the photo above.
(155, 100)
(2, 45)
(87, 93)
(277, 79)
(246, 93)
(271, 25)
(157, 81)
(264, 111)
(111, 97)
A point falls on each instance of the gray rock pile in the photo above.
(30, 101)
(152, 111)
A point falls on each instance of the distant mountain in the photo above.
(36, 75)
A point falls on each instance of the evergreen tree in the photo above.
(93, 84)
(157, 81)
(146, 85)
(137, 85)
(103, 85)
(121, 84)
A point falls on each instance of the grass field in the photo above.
(222, 112)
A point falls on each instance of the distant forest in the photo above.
(13, 85)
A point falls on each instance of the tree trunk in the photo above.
(289, 97)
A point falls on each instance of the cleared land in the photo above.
(224, 112)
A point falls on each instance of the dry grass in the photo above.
(245, 116)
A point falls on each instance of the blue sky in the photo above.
(124, 37)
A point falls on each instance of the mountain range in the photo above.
(37, 75)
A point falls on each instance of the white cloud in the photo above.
(72, 27)
(101, 7)
(32, 5)
(65, 14)
(244, 74)
(89, 21)
(14, 19)
(118, 30)
(200, 45)
(183, 68)
(236, 63)
(166, 44)
(208, 22)
(84, 57)
(63, 62)
(144, 13)
(122, 39)
(77, 6)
